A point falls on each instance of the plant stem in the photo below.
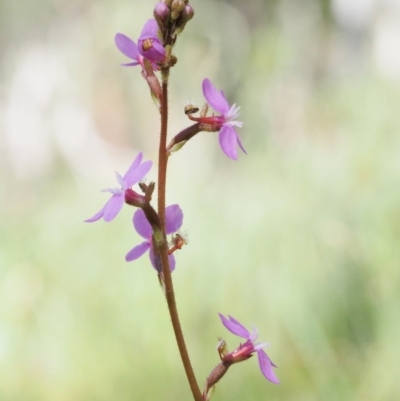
(169, 288)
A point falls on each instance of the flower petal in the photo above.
(240, 144)
(234, 326)
(228, 141)
(133, 64)
(126, 46)
(137, 251)
(135, 164)
(137, 174)
(157, 266)
(171, 259)
(142, 226)
(150, 30)
(266, 366)
(97, 216)
(232, 114)
(173, 218)
(113, 207)
(172, 262)
(155, 53)
(215, 98)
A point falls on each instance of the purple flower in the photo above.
(173, 222)
(135, 173)
(228, 137)
(149, 44)
(245, 350)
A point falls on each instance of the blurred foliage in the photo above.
(302, 241)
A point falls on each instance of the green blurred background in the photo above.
(299, 238)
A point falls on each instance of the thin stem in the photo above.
(169, 288)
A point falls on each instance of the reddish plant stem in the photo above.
(169, 288)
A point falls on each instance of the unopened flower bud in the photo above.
(177, 7)
(173, 60)
(168, 3)
(161, 15)
(186, 15)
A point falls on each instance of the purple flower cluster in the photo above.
(149, 47)
(154, 52)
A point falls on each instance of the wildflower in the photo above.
(135, 173)
(225, 123)
(149, 44)
(173, 222)
(246, 350)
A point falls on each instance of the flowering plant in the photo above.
(154, 52)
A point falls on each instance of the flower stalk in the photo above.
(154, 53)
(163, 248)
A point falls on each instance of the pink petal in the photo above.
(113, 207)
(142, 226)
(126, 46)
(133, 64)
(234, 326)
(97, 216)
(159, 48)
(173, 218)
(266, 367)
(134, 165)
(134, 176)
(171, 259)
(228, 141)
(155, 53)
(137, 251)
(240, 143)
(149, 30)
(172, 262)
(215, 98)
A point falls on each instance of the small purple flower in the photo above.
(245, 350)
(135, 173)
(228, 137)
(149, 44)
(173, 222)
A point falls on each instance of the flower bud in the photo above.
(186, 15)
(161, 15)
(177, 7)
